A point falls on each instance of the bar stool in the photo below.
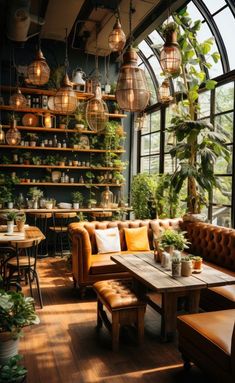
(23, 264)
(41, 221)
(60, 230)
(100, 215)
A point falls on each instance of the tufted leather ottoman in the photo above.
(123, 304)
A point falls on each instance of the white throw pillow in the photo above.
(108, 240)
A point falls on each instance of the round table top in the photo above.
(30, 233)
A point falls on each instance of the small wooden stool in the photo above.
(123, 304)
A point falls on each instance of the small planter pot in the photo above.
(75, 163)
(35, 204)
(61, 163)
(71, 180)
(20, 226)
(176, 269)
(10, 227)
(32, 143)
(186, 268)
(197, 265)
(76, 205)
(26, 162)
(79, 127)
(48, 205)
(62, 126)
(8, 347)
(10, 205)
(75, 146)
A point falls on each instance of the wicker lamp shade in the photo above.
(170, 55)
(164, 92)
(18, 99)
(2, 135)
(97, 112)
(132, 90)
(38, 70)
(13, 136)
(117, 38)
(65, 99)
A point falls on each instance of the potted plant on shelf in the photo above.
(16, 312)
(61, 161)
(64, 122)
(32, 137)
(27, 156)
(75, 160)
(12, 371)
(75, 140)
(36, 160)
(118, 178)
(80, 120)
(90, 176)
(91, 203)
(77, 198)
(35, 195)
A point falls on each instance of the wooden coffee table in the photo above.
(166, 290)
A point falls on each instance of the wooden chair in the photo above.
(41, 221)
(60, 230)
(23, 264)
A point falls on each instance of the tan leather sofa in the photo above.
(216, 245)
(87, 265)
(208, 340)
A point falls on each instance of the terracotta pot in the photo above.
(20, 226)
(197, 265)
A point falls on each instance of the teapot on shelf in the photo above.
(78, 80)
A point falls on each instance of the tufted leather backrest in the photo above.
(214, 243)
(154, 227)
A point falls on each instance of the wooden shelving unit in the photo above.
(66, 184)
(61, 149)
(103, 168)
(51, 130)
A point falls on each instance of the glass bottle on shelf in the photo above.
(107, 198)
(81, 180)
(54, 143)
(64, 145)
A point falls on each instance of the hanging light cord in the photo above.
(130, 22)
(66, 61)
(96, 53)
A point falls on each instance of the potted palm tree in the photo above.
(16, 312)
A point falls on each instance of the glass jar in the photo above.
(106, 198)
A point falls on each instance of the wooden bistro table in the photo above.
(149, 274)
(30, 233)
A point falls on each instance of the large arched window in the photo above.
(218, 20)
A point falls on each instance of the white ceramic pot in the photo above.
(76, 205)
(8, 347)
(10, 227)
(10, 205)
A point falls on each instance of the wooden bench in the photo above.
(123, 304)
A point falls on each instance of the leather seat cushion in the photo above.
(228, 291)
(117, 294)
(24, 261)
(102, 264)
(210, 332)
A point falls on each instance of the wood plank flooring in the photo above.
(65, 347)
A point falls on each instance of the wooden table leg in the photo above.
(193, 301)
(169, 316)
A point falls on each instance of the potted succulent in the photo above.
(20, 221)
(186, 266)
(196, 263)
(75, 140)
(16, 312)
(12, 371)
(36, 160)
(35, 194)
(176, 267)
(61, 161)
(91, 203)
(80, 121)
(118, 178)
(77, 198)
(32, 137)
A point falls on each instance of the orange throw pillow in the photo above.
(137, 239)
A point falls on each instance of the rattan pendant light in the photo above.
(132, 90)
(17, 99)
(38, 70)
(164, 94)
(117, 38)
(65, 99)
(170, 55)
(2, 135)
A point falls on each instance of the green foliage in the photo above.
(111, 137)
(167, 200)
(11, 216)
(143, 189)
(16, 312)
(35, 193)
(12, 371)
(173, 238)
(77, 197)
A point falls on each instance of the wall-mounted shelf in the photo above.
(61, 149)
(42, 111)
(59, 167)
(52, 130)
(66, 184)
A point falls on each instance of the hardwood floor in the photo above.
(65, 347)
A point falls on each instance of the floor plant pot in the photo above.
(8, 347)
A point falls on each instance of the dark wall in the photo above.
(54, 52)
